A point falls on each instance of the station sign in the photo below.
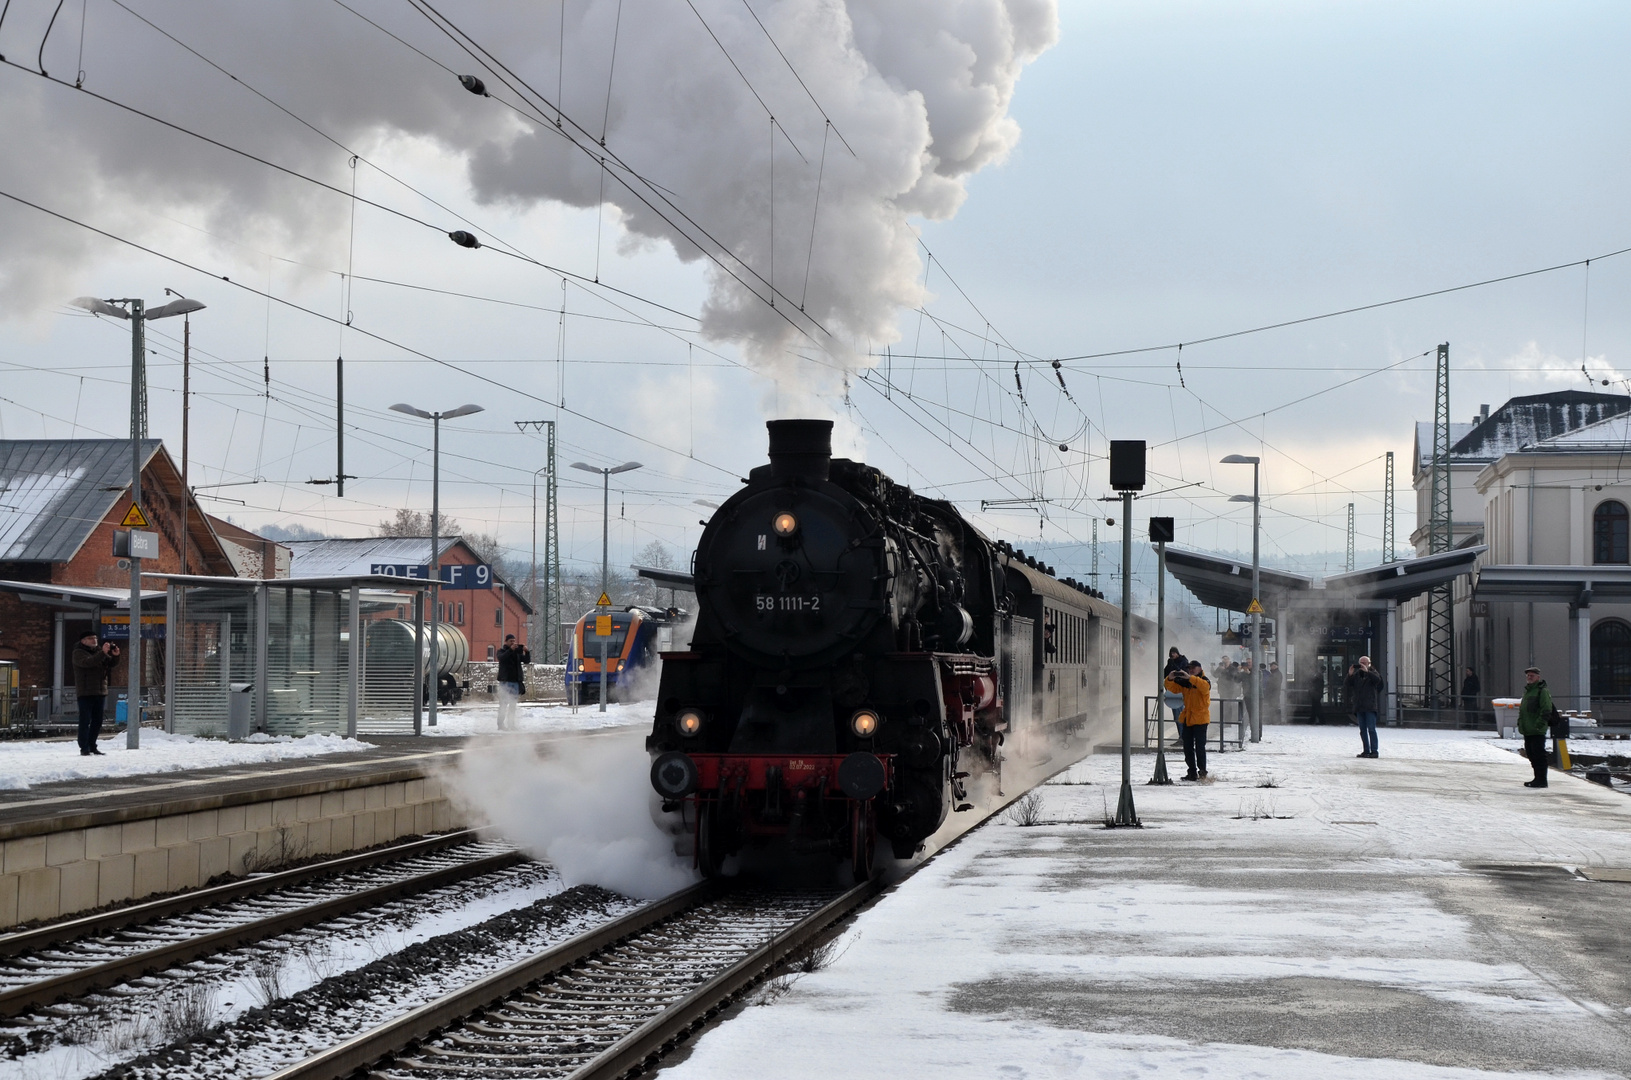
(117, 627)
(135, 544)
(454, 575)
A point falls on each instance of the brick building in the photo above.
(474, 597)
(60, 502)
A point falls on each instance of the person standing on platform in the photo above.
(1196, 689)
(1273, 679)
(1534, 719)
(1176, 663)
(1316, 699)
(1470, 688)
(1364, 688)
(92, 662)
(511, 657)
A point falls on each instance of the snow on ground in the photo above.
(24, 764)
(1343, 923)
(483, 719)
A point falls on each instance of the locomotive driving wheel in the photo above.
(863, 841)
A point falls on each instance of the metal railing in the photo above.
(1226, 713)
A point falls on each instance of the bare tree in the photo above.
(416, 523)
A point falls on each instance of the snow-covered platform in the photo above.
(1419, 915)
(77, 833)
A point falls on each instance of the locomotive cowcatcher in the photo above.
(842, 680)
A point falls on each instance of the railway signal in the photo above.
(1126, 476)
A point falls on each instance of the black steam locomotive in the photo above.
(859, 651)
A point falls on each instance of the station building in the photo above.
(60, 502)
(1542, 485)
(1540, 568)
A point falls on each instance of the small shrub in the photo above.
(1026, 810)
(187, 1013)
(277, 855)
(266, 973)
(1268, 780)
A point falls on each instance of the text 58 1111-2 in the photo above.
(766, 603)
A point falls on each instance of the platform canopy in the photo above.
(1223, 582)
(667, 578)
(77, 597)
(1554, 584)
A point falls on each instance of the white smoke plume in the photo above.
(919, 90)
(580, 804)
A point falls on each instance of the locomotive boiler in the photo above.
(859, 651)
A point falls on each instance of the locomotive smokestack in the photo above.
(800, 448)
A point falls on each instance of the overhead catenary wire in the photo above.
(357, 329)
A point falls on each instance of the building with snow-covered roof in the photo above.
(60, 502)
(475, 598)
(1544, 483)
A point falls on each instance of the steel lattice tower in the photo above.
(1388, 552)
(1350, 565)
(1440, 670)
(1095, 554)
(546, 593)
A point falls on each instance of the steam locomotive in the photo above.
(859, 652)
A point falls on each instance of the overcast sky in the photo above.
(1108, 177)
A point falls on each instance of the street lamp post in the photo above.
(138, 314)
(435, 419)
(1255, 499)
(606, 512)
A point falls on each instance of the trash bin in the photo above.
(238, 710)
(121, 712)
(1506, 716)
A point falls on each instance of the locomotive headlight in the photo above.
(784, 524)
(689, 722)
(864, 723)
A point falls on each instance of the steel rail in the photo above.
(104, 922)
(652, 1038)
(397, 1035)
(46, 991)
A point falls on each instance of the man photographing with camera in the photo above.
(92, 662)
(1364, 688)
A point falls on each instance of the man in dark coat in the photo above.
(92, 662)
(511, 657)
(1364, 688)
(1470, 688)
(1534, 718)
(1316, 699)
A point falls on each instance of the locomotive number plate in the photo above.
(766, 603)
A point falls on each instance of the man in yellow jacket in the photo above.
(1196, 689)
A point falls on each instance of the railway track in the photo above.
(604, 1002)
(46, 965)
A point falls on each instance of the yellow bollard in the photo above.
(1562, 753)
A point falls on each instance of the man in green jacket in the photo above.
(1534, 718)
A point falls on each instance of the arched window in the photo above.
(1611, 658)
(1611, 533)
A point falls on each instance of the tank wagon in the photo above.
(859, 652)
